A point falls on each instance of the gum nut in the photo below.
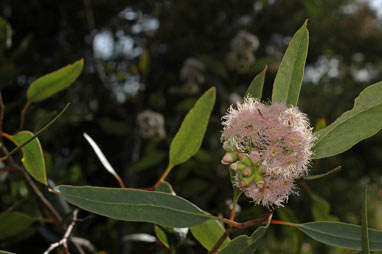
(247, 171)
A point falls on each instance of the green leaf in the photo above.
(162, 236)
(135, 205)
(5, 35)
(287, 214)
(341, 234)
(13, 223)
(321, 209)
(365, 235)
(244, 244)
(362, 121)
(190, 135)
(287, 84)
(5, 252)
(165, 187)
(209, 233)
(255, 89)
(33, 159)
(54, 82)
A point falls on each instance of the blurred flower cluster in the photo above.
(151, 125)
(192, 75)
(241, 55)
(269, 147)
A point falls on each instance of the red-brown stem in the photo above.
(120, 181)
(280, 222)
(168, 169)
(233, 212)
(22, 117)
(261, 220)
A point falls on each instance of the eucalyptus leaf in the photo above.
(244, 244)
(255, 89)
(33, 158)
(321, 209)
(189, 138)
(209, 233)
(13, 223)
(5, 252)
(341, 234)
(362, 121)
(287, 84)
(52, 83)
(162, 236)
(135, 205)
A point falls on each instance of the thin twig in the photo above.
(2, 108)
(64, 240)
(22, 116)
(35, 135)
(166, 172)
(12, 164)
(332, 171)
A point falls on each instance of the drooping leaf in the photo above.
(365, 233)
(104, 161)
(5, 35)
(362, 121)
(287, 214)
(341, 234)
(287, 84)
(52, 83)
(189, 138)
(33, 159)
(13, 223)
(321, 209)
(162, 236)
(255, 89)
(244, 244)
(209, 233)
(6, 252)
(135, 205)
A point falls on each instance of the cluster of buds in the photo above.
(241, 55)
(269, 147)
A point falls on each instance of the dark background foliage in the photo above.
(134, 52)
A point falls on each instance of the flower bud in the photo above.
(243, 158)
(229, 158)
(254, 156)
(259, 179)
(247, 171)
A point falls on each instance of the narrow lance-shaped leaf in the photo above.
(135, 205)
(244, 244)
(33, 159)
(209, 233)
(365, 233)
(362, 121)
(54, 82)
(5, 252)
(189, 138)
(103, 159)
(341, 234)
(255, 89)
(287, 84)
(13, 223)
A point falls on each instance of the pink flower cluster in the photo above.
(269, 146)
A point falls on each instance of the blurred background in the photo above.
(146, 63)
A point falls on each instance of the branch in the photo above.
(266, 218)
(12, 164)
(64, 240)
